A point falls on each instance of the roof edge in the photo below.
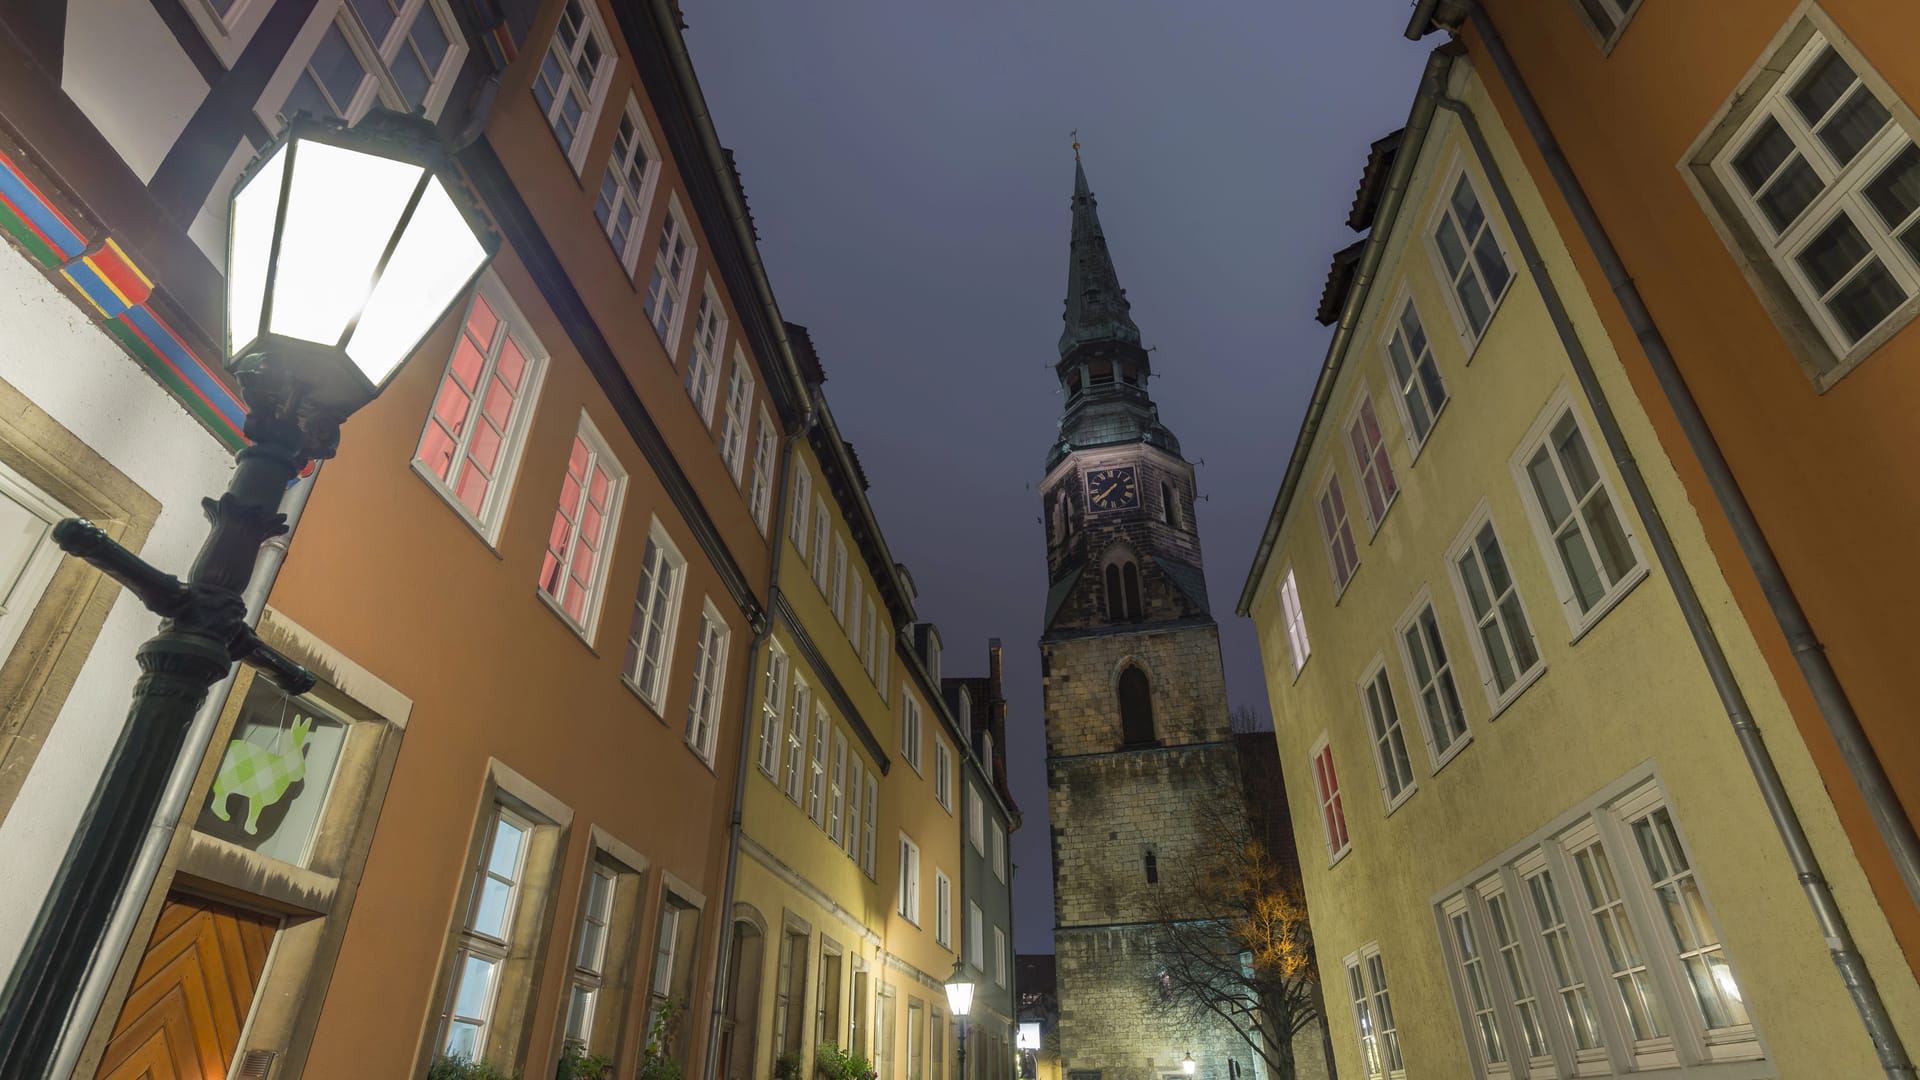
(1413, 140)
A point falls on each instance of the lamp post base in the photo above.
(204, 631)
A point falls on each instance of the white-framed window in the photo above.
(856, 593)
(351, 55)
(976, 821)
(1326, 789)
(802, 496)
(817, 767)
(943, 774)
(910, 730)
(228, 24)
(873, 818)
(485, 934)
(999, 855)
(870, 631)
(733, 429)
(772, 713)
(28, 556)
(760, 492)
(839, 593)
(1430, 673)
(1597, 938)
(885, 640)
(626, 190)
(573, 573)
(1419, 391)
(837, 789)
(908, 896)
(796, 764)
(1505, 943)
(573, 77)
(1827, 179)
(674, 948)
(1337, 533)
(1470, 960)
(942, 909)
(1377, 482)
(822, 525)
(1471, 258)
(672, 273)
(471, 447)
(999, 957)
(855, 779)
(1570, 502)
(976, 937)
(590, 954)
(1373, 1015)
(1298, 648)
(709, 665)
(1389, 740)
(1502, 636)
(709, 339)
(656, 613)
(1607, 19)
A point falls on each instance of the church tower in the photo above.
(1134, 695)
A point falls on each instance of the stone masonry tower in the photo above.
(1134, 695)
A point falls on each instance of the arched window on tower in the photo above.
(1122, 581)
(1136, 708)
(1169, 509)
(1058, 534)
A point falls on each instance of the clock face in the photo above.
(1112, 489)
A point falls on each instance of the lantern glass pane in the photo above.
(250, 246)
(342, 208)
(435, 259)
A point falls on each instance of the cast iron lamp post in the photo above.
(346, 246)
(960, 1002)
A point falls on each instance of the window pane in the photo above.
(1467, 206)
(1492, 264)
(1546, 485)
(1862, 303)
(1473, 302)
(1766, 150)
(1854, 125)
(1821, 86)
(1895, 193)
(1452, 252)
(476, 981)
(1838, 249)
(1791, 194)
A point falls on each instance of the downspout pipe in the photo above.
(1896, 828)
(749, 705)
(1773, 793)
(173, 802)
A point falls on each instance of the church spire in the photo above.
(1097, 308)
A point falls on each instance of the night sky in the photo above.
(909, 168)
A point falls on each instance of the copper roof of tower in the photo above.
(1097, 308)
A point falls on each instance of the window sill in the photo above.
(1340, 587)
(1585, 623)
(581, 632)
(1474, 341)
(1446, 757)
(459, 508)
(1401, 799)
(1416, 447)
(1503, 702)
(1846, 362)
(652, 707)
(1374, 527)
(1337, 857)
(703, 759)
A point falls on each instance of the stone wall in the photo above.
(1182, 665)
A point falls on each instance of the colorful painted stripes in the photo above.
(120, 292)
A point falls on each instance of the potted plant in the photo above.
(833, 1063)
(577, 1064)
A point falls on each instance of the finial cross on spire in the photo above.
(1076, 143)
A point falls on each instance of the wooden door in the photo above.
(191, 994)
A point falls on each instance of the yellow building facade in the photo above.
(1529, 838)
(847, 869)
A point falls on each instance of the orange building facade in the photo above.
(532, 585)
(1757, 174)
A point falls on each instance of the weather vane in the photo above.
(1076, 143)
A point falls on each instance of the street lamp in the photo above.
(960, 1002)
(1187, 1064)
(346, 247)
